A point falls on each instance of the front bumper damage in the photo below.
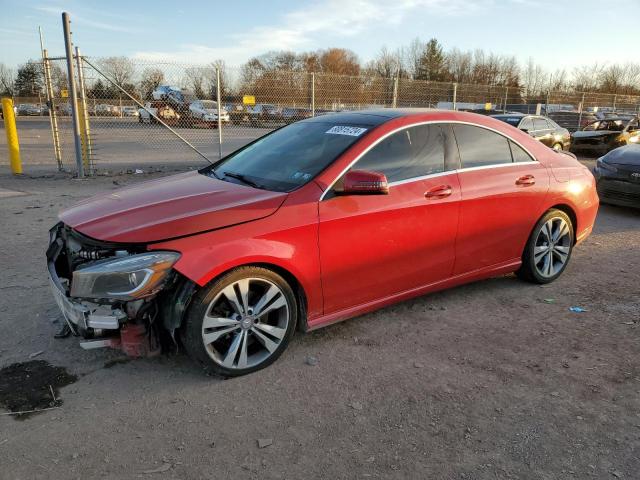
(128, 326)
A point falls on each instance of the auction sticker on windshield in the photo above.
(344, 130)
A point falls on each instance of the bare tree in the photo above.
(386, 64)
(151, 79)
(7, 80)
(120, 69)
(586, 78)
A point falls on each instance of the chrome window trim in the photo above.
(415, 179)
(423, 177)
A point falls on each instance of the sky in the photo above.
(556, 34)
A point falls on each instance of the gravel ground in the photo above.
(485, 381)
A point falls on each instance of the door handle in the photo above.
(526, 180)
(441, 191)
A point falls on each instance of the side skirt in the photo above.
(495, 270)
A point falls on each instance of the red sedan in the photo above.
(316, 222)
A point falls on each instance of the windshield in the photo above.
(209, 104)
(289, 157)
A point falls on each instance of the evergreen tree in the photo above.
(29, 81)
(432, 63)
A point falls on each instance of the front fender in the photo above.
(280, 240)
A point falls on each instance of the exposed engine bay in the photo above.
(112, 294)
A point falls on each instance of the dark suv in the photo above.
(541, 128)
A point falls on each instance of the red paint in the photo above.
(362, 181)
(169, 207)
(354, 253)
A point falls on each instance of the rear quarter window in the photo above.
(518, 153)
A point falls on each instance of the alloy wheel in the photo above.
(245, 323)
(552, 247)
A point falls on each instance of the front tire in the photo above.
(548, 249)
(241, 322)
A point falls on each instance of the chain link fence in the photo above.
(135, 121)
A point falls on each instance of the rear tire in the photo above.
(241, 322)
(548, 249)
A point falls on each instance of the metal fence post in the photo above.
(546, 105)
(455, 96)
(66, 27)
(53, 115)
(85, 131)
(615, 97)
(313, 94)
(394, 102)
(580, 107)
(219, 111)
(506, 94)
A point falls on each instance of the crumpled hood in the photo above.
(169, 207)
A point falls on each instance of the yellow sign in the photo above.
(487, 106)
(249, 100)
(64, 93)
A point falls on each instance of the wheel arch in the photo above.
(293, 281)
(295, 285)
(563, 207)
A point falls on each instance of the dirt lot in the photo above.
(486, 381)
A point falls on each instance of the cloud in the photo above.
(298, 29)
(89, 22)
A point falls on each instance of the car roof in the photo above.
(370, 117)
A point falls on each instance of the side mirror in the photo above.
(364, 182)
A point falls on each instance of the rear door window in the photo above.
(480, 147)
(540, 124)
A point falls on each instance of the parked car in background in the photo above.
(29, 109)
(106, 110)
(63, 109)
(618, 176)
(130, 111)
(602, 136)
(542, 129)
(238, 114)
(15, 112)
(290, 114)
(160, 109)
(319, 221)
(262, 114)
(207, 111)
(572, 120)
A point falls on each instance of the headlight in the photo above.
(605, 166)
(125, 278)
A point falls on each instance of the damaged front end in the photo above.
(111, 294)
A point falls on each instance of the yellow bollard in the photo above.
(12, 135)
